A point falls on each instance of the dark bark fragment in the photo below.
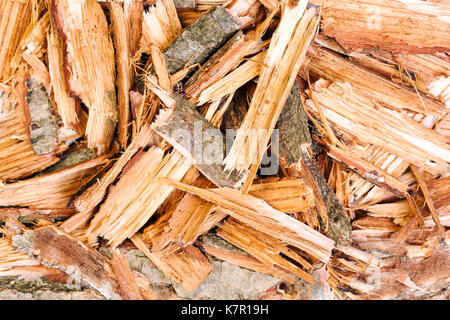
(201, 39)
(197, 139)
(233, 117)
(293, 128)
(294, 133)
(70, 159)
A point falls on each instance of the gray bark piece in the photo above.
(229, 282)
(201, 39)
(197, 139)
(44, 127)
(294, 132)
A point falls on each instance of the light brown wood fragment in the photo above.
(160, 25)
(52, 190)
(439, 189)
(90, 55)
(426, 193)
(121, 36)
(247, 262)
(285, 55)
(125, 277)
(91, 197)
(17, 157)
(368, 171)
(56, 249)
(368, 122)
(424, 72)
(134, 11)
(385, 224)
(187, 266)
(258, 214)
(225, 60)
(185, 222)
(160, 67)
(288, 195)
(136, 197)
(13, 21)
(66, 105)
(398, 26)
(234, 80)
(332, 67)
(265, 248)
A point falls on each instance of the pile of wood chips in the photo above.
(311, 137)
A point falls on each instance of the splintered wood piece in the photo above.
(224, 60)
(217, 66)
(265, 248)
(12, 258)
(57, 249)
(433, 74)
(17, 158)
(92, 196)
(424, 72)
(13, 22)
(289, 195)
(426, 193)
(332, 67)
(52, 190)
(44, 127)
(134, 14)
(368, 171)
(89, 47)
(285, 55)
(187, 266)
(121, 36)
(66, 105)
(136, 197)
(248, 262)
(160, 25)
(32, 48)
(166, 235)
(439, 189)
(398, 26)
(125, 277)
(262, 217)
(185, 222)
(198, 140)
(234, 80)
(374, 223)
(371, 123)
(201, 39)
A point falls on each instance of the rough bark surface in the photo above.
(294, 132)
(197, 139)
(201, 39)
(43, 123)
(69, 255)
